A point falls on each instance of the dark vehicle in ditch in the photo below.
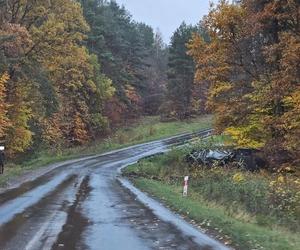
(248, 159)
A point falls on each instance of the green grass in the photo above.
(144, 130)
(270, 198)
(252, 210)
(237, 230)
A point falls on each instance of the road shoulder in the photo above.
(200, 237)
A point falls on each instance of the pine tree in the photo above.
(156, 76)
(123, 47)
(181, 73)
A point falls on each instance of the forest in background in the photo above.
(71, 71)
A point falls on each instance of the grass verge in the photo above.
(209, 216)
(247, 210)
(144, 130)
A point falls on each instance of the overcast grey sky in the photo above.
(166, 15)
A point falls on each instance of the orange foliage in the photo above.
(79, 134)
(252, 64)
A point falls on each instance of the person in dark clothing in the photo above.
(1, 161)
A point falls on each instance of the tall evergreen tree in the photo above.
(181, 73)
(123, 47)
(156, 75)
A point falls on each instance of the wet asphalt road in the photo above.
(86, 205)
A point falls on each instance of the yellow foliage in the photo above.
(280, 179)
(52, 133)
(248, 137)
(238, 178)
(79, 131)
(221, 88)
(132, 94)
(285, 194)
(19, 136)
(254, 87)
(43, 50)
(4, 121)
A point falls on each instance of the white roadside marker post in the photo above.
(185, 186)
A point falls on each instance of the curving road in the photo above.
(85, 204)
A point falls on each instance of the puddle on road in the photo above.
(9, 230)
(44, 179)
(76, 222)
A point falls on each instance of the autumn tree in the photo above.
(19, 134)
(42, 51)
(277, 90)
(228, 71)
(5, 122)
(251, 62)
(16, 40)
